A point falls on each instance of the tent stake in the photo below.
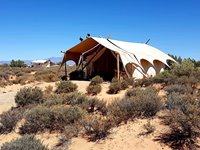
(118, 66)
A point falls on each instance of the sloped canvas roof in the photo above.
(129, 52)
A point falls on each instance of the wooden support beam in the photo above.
(118, 77)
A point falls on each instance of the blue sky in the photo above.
(36, 29)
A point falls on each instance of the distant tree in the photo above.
(17, 63)
(178, 59)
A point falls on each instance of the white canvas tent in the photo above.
(110, 58)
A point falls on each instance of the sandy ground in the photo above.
(124, 137)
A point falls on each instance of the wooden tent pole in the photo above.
(65, 64)
(66, 69)
(117, 66)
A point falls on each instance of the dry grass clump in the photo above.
(92, 105)
(26, 142)
(96, 127)
(46, 75)
(149, 128)
(66, 87)
(93, 89)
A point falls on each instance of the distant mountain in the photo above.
(55, 59)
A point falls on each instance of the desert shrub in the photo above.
(40, 118)
(138, 102)
(94, 104)
(182, 89)
(26, 142)
(69, 132)
(131, 92)
(177, 101)
(48, 89)
(94, 89)
(183, 120)
(114, 80)
(66, 87)
(114, 88)
(186, 68)
(71, 114)
(53, 99)
(46, 75)
(129, 81)
(28, 96)
(124, 84)
(147, 102)
(37, 120)
(66, 115)
(96, 80)
(9, 119)
(96, 128)
(149, 128)
(74, 98)
(121, 110)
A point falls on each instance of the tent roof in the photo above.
(129, 52)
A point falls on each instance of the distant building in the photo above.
(41, 63)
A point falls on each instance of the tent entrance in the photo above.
(104, 64)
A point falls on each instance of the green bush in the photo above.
(96, 80)
(28, 96)
(66, 87)
(9, 119)
(114, 88)
(93, 89)
(17, 63)
(186, 68)
(26, 142)
(96, 128)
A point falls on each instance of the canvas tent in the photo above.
(109, 58)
